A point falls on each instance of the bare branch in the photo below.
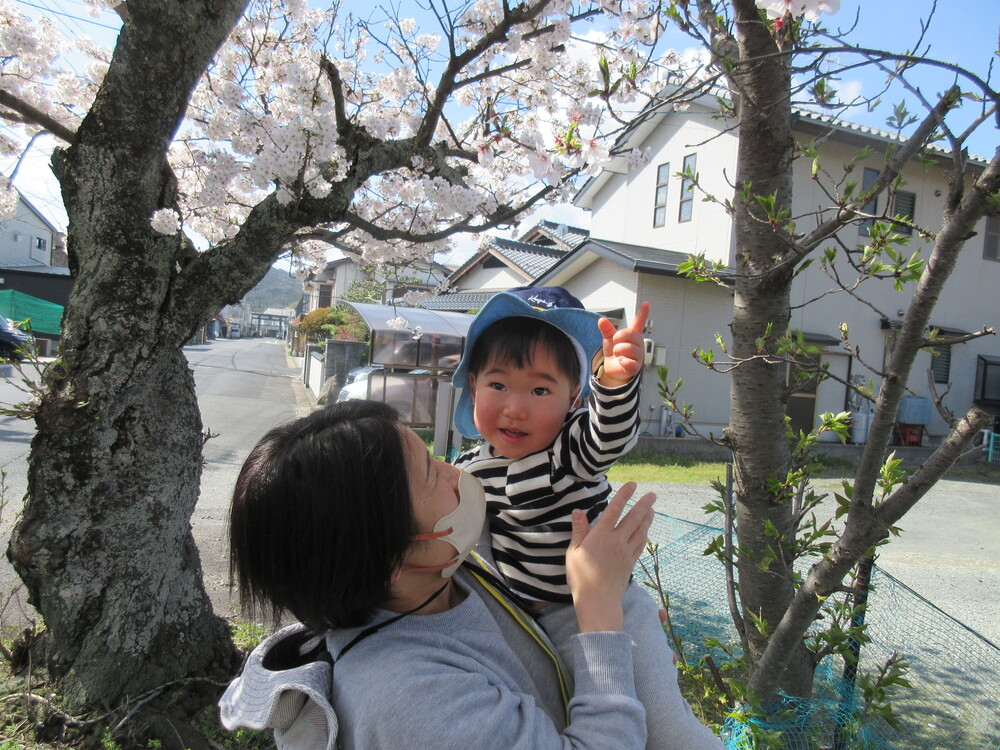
(949, 340)
(946, 414)
(36, 116)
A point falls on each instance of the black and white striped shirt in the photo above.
(529, 501)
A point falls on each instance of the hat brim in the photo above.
(578, 324)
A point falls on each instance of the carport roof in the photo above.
(377, 318)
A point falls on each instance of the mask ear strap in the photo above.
(428, 568)
(427, 535)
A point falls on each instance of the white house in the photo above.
(30, 240)
(504, 264)
(645, 221)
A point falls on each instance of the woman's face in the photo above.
(434, 493)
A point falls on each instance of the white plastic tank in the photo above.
(861, 421)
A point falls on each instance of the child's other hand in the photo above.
(623, 349)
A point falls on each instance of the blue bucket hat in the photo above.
(550, 304)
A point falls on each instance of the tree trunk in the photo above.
(761, 304)
(104, 545)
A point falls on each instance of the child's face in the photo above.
(519, 411)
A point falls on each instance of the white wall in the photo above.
(623, 210)
(491, 278)
(19, 239)
(683, 316)
(968, 301)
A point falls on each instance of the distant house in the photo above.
(504, 264)
(327, 287)
(645, 221)
(33, 255)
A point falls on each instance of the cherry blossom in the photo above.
(269, 115)
(811, 10)
(166, 221)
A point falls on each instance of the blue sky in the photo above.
(962, 32)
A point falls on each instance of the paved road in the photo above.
(949, 551)
(245, 387)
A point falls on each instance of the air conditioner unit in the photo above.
(650, 348)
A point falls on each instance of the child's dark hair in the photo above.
(321, 516)
(513, 340)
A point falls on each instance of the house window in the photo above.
(987, 380)
(941, 363)
(660, 205)
(687, 188)
(991, 246)
(867, 181)
(325, 295)
(40, 243)
(904, 205)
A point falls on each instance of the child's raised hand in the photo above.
(623, 349)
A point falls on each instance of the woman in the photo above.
(343, 520)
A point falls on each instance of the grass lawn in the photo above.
(651, 467)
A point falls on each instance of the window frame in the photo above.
(983, 364)
(991, 238)
(687, 189)
(660, 206)
(902, 228)
(941, 363)
(327, 288)
(868, 178)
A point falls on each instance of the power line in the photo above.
(70, 30)
(68, 15)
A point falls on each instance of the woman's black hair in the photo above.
(321, 516)
(513, 341)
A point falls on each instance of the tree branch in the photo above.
(900, 157)
(931, 470)
(36, 116)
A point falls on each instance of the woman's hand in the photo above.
(601, 557)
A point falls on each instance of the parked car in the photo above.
(360, 373)
(356, 384)
(14, 343)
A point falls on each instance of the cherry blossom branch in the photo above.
(446, 84)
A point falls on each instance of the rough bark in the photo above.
(104, 544)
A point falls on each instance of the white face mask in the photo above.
(462, 527)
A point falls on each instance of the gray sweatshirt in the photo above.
(459, 679)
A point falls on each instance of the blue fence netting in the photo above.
(954, 671)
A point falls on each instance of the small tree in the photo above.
(312, 325)
(762, 60)
(343, 324)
